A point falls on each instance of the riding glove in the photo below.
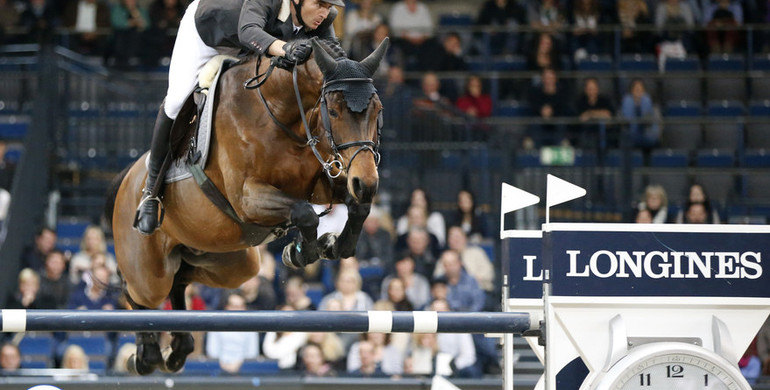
(298, 51)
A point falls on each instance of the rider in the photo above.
(252, 26)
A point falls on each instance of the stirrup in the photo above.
(146, 197)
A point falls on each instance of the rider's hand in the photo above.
(298, 51)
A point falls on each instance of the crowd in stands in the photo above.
(414, 262)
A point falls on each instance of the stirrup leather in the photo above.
(147, 196)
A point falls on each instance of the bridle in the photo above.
(335, 158)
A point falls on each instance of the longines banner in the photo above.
(657, 263)
(525, 276)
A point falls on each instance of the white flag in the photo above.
(514, 199)
(559, 191)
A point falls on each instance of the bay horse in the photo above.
(269, 167)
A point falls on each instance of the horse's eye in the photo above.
(333, 113)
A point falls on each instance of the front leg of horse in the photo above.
(304, 250)
(340, 246)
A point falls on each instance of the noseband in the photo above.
(335, 160)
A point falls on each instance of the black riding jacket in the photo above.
(253, 24)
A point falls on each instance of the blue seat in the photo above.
(451, 159)
(37, 349)
(13, 154)
(13, 129)
(760, 62)
(595, 63)
(726, 63)
(94, 345)
(687, 64)
(755, 158)
(259, 367)
(669, 158)
(316, 294)
(715, 158)
(477, 64)
(512, 108)
(759, 108)
(726, 108)
(683, 108)
(201, 368)
(371, 272)
(71, 229)
(508, 63)
(527, 159)
(613, 158)
(33, 364)
(638, 63)
(455, 19)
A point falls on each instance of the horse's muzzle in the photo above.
(362, 190)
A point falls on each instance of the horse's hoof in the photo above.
(135, 367)
(329, 246)
(290, 257)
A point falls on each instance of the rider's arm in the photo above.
(255, 15)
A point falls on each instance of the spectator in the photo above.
(505, 14)
(546, 15)
(369, 367)
(121, 358)
(396, 294)
(431, 97)
(259, 294)
(592, 107)
(469, 217)
(417, 218)
(348, 292)
(129, 22)
(95, 293)
(364, 45)
(38, 20)
(671, 16)
(232, 348)
(458, 345)
(284, 346)
(34, 256)
(9, 20)
(545, 55)
(763, 346)
(439, 290)
(656, 202)
(721, 18)
(473, 258)
(27, 296)
(416, 285)
(435, 223)
(463, 292)
(10, 357)
(548, 102)
(74, 358)
(696, 194)
(314, 363)
(632, 13)
(54, 285)
(86, 18)
(418, 248)
(375, 245)
(474, 101)
(696, 213)
(586, 40)
(643, 216)
(638, 109)
(296, 294)
(7, 166)
(750, 364)
(385, 355)
(450, 57)
(412, 25)
(165, 16)
(92, 244)
(425, 358)
(332, 348)
(360, 22)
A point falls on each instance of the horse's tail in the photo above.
(111, 194)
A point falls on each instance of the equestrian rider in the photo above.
(251, 26)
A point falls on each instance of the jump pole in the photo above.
(14, 320)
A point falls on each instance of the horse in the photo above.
(306, 136)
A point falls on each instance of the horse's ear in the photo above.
(372, 62)
(325, 62)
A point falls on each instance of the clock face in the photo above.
(678, 371)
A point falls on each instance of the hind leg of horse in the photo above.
(148, 356)
(334, 246)
(304, 250)
(182, 343)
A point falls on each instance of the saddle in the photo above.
(191, 133)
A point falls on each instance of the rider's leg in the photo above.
(190, 54)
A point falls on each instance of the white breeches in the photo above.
(187, 59)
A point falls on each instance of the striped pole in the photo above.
(12, 320)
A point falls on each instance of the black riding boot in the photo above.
(148, 213)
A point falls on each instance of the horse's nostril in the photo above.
(357, 187)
